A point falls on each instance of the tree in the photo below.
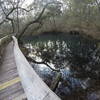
(12, 12)
(83, 14)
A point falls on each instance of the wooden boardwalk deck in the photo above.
(15, 65)
(10, 85)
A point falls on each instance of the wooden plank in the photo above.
(10, 87)
(6, 69)
(9, 83)
(8, 64)
(33, 85)
(11, 92)
(21, 97)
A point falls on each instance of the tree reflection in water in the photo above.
(76, 57)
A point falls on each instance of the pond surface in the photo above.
(76, 57)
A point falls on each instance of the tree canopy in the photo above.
(44, 15)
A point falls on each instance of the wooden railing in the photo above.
(33, 85)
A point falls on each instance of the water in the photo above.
(76, 56)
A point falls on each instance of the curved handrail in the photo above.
(33, 85)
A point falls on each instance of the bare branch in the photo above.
(43, 62)
(11, 11)
(7, 17)
(2, 8)
(24, 9)
(37, 20)
(12, 23)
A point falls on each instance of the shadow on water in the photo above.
(77, 57)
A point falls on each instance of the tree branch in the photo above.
(12, 23)
(25, 9)
(37, 20)
(7, 17)
(43, 62)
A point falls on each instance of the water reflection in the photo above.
(77, 59)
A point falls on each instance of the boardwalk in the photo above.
(10, 85)
(17, 76)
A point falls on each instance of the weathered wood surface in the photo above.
(8, 71)
(33, 85)
(14, 65)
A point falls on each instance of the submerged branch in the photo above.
(43, 62)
